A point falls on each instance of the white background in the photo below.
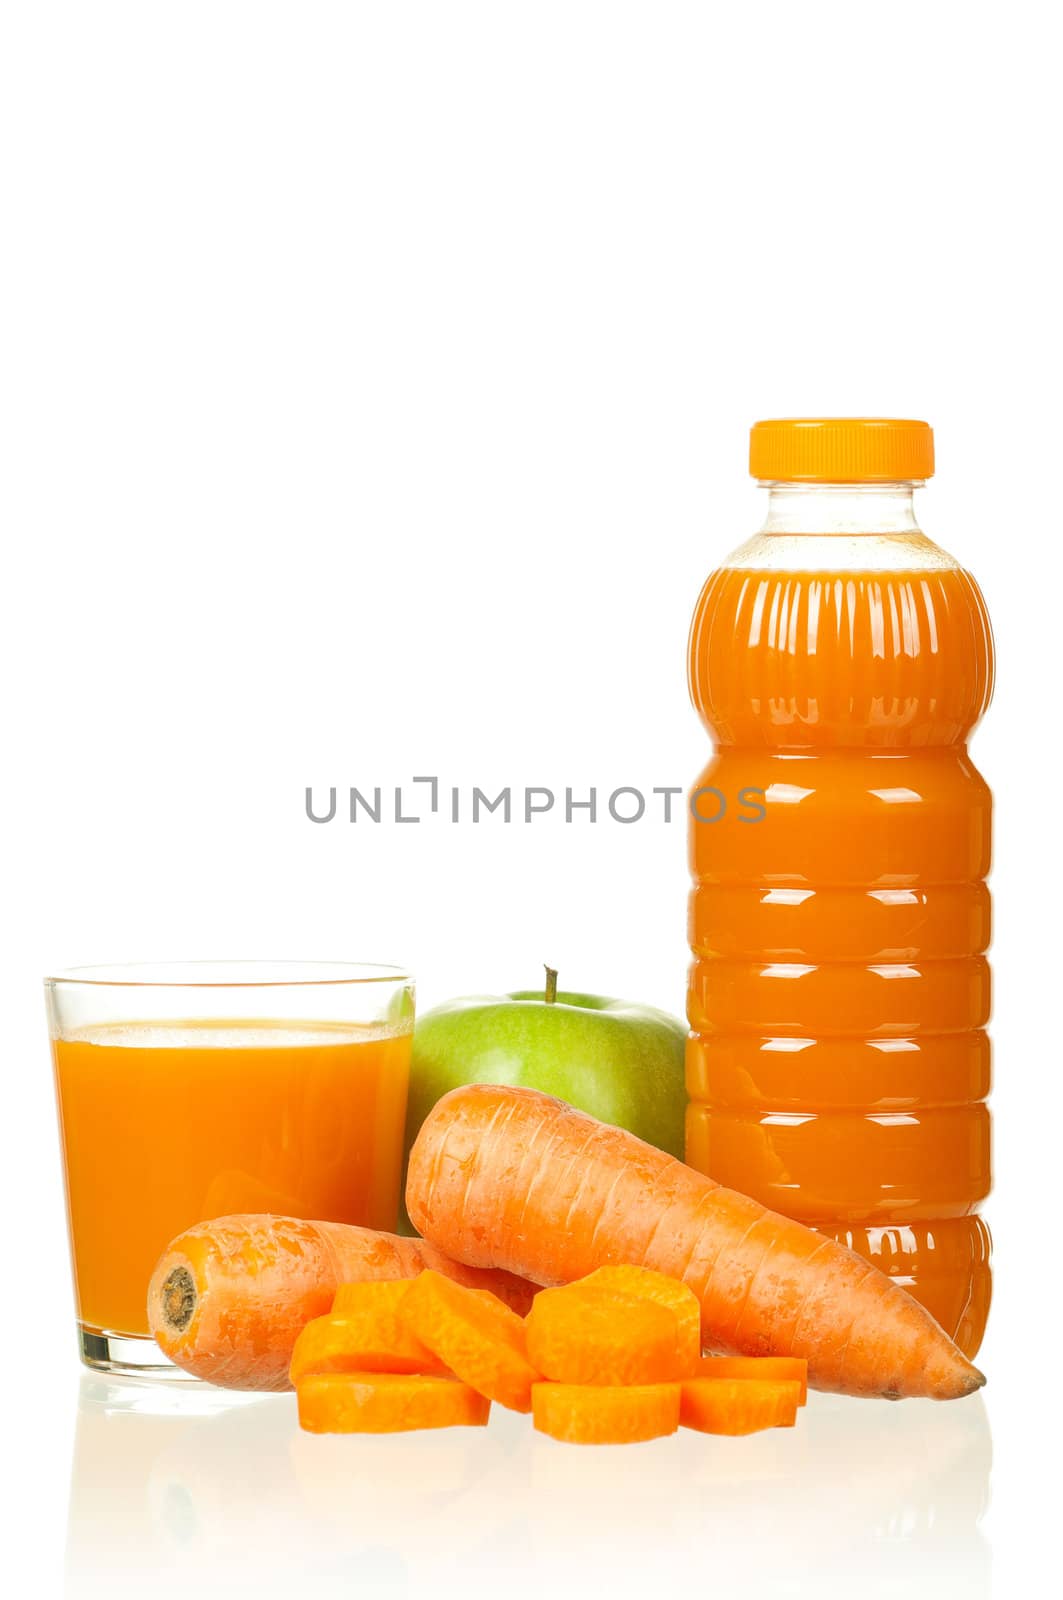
(375, 385)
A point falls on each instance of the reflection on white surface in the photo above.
(179, 1492)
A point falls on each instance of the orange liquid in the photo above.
(838, 1062)
(164, 1126)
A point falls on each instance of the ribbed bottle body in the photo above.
(838, 1063)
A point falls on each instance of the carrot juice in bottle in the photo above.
(838, 1063)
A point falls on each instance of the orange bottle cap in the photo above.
(841, 450)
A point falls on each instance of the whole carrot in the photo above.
(507, 1177)
(228, 1298)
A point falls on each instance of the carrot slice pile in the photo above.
(387, 1402)
(364, 1333)
(605, 1414)
(578, 1335)
(618, 1350)
(779, 1368)
(645, 1284)
(473, 1334)
(738, 1405)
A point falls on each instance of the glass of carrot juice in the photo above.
(195, 1090)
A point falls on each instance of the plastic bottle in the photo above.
(838, 1063)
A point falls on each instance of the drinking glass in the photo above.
(194, 1090)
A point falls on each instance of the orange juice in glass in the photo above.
(194, 1090)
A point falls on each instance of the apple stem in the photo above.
(551, 986)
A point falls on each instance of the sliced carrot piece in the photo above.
(671, 1293)
(605, 1414)
(473, 1334)
(578, 1335)
(778, 1368)
(738, 1405)
(386, 1402)
(360, 1343)
(371, 1312)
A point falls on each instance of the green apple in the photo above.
(622, 1063)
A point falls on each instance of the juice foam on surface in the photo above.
(237, 1034)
